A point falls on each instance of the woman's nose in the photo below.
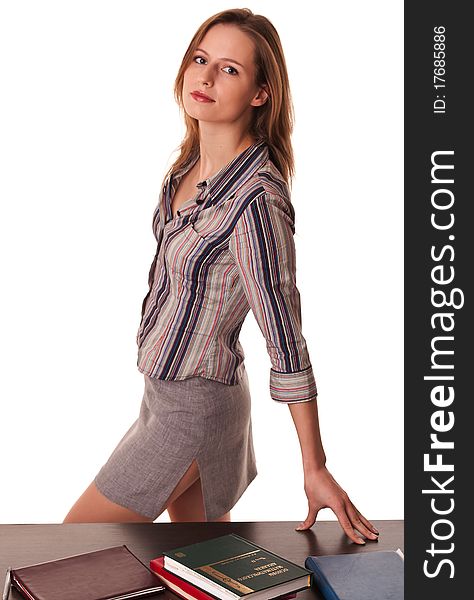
(206, 75)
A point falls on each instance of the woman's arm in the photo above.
(305, 418)
(263, 249)
(321, 488)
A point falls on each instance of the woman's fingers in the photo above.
(366, 522)
(359, 522)
(310, 519)
(345, 522)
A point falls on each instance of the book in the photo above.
(376, 575)
(231, 567)
(183, 588)
(113, 573)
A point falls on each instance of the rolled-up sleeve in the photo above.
(263, 248)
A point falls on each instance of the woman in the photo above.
(224, 226)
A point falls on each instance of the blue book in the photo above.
(376, 575)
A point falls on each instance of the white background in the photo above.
(89, 126)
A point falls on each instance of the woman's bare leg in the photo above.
(94, 507)
(189, 506)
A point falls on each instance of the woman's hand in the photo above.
(323, 491)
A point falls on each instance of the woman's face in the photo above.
(223, 68)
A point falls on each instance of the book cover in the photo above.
(377, 575)
(231, 566)
(112, 573)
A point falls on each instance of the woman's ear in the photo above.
(261, 97)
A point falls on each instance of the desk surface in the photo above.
(22, 545)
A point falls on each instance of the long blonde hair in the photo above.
(273, 121)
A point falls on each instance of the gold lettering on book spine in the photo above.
(226, 579)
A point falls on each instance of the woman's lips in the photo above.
(200, 98)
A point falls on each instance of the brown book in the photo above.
(111, 574)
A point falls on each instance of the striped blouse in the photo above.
(229, 249)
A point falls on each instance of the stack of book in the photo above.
(229, 567)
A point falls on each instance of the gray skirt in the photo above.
(179, 421)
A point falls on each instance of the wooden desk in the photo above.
(21, 545)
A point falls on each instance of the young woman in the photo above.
(224, 226)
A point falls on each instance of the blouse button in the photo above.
(178, 213)
(199, 200)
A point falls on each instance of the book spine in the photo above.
(322, 583)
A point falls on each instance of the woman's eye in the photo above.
(235, 72)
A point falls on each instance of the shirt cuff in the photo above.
(293, 387)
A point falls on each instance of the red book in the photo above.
(183, 588)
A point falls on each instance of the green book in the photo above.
(231, 567)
